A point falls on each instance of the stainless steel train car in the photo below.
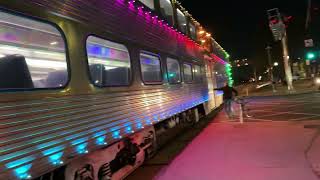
(86, 87)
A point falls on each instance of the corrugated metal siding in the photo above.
(29, 128)
(108, 14)
(31, 131)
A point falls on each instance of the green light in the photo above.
(229, 74)
(311, 55)
(171, 75)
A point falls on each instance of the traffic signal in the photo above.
(276, 24)
(311, 55)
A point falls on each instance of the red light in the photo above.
(274, 21)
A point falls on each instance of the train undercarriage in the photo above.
(118, 160)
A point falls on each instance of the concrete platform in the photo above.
(260, 149)
(254, 151)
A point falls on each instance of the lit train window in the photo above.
(197, 73)
(166, 10)
(193, 32)
(173, 68)
(187, 73)
(182, 21)
(109, 62)
(203, 73)
(32, 54)
(148, 3)
(150, 68)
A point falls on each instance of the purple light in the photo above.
(154, 19)
(120, 1)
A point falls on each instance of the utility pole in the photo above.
(278, 29)
(255, 74)
(286, 60)
(308, 17)
(268, 48)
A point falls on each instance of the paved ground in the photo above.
(281, 141)
(300, 86)
(287, 108)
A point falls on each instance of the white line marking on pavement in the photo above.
(274, 114)
(288, 112)
(304, 118)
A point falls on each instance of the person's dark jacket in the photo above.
(227, 92)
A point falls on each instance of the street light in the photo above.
(275, 64)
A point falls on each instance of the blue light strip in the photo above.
(22, 172)
(55, 154)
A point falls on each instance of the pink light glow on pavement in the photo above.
(253, 151)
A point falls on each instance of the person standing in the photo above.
(227, 98)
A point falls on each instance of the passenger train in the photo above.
(88, 88)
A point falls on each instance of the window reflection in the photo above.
(150, 68)
(182, 21)
(192, 29)
(173, 68)
(166, 10)
(31, 51)
(148, 3)
(197, 73)
(109, 62)
(187, 73)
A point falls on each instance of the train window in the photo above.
(203, 73)
(166, 10)
(197, 73)
(32, 54)
(174, 73)
(182, 21)
(187, 73)
(109, 62)
(150, 68)
(148, 3)
(193, 32)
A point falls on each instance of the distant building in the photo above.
(243, 71)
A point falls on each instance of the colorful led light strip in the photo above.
(55, 155)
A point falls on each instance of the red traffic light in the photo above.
(274, 21)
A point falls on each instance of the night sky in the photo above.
(241, 27)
